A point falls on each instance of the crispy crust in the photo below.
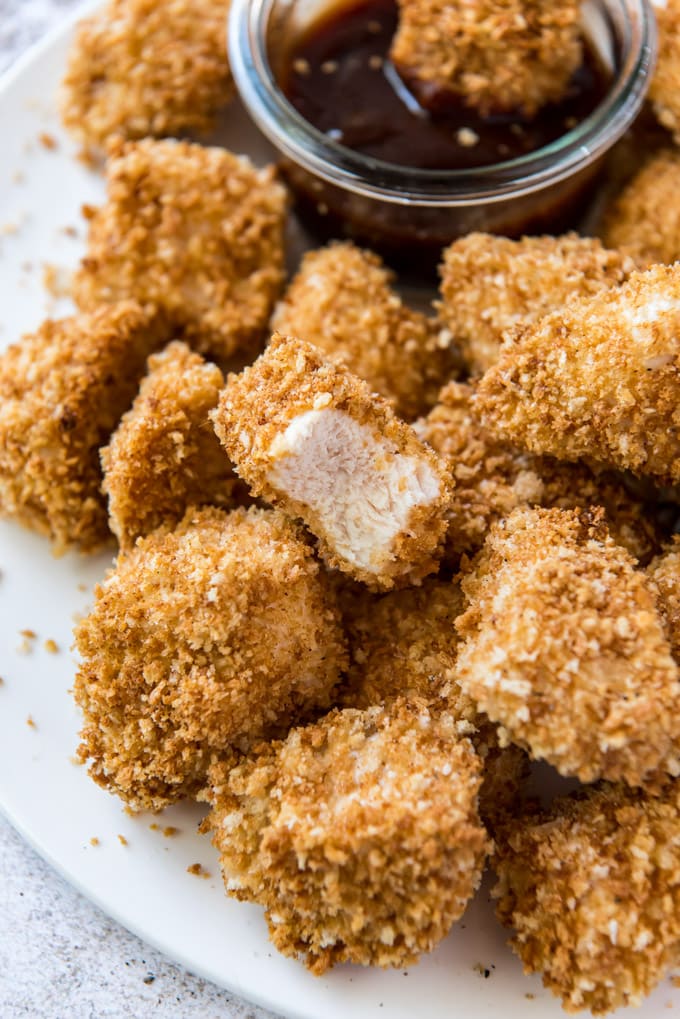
(359, 835)
(141, 68)
(597, 380)
(664, 575)
(196, 231)
(342, 301)
(664, 90)
(644, 219)
(491, 284)
(202, 639)
(290, 379)
(164, 456)
(592, 890)
(63, 390)
(564, 648)
(498, 55)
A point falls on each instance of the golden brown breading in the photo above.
(490, 284)
(664, 90)
(358, 834)
(592, 890)
(492, 478)
(664, 574)
(497, 55)
(197, 231)
(564, 649)
(63, 390)
(164, 456)
(342, 301)
(139, 68)
(597, 380)
(311, 437)
(202, 639)
(644, 219)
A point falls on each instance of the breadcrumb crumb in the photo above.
(664, 574)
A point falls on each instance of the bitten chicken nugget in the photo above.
(499, 56)
(141, 68)
(196, 231)
(664, 90)
(63, 390)
(592, 890)
(664, 574)
(164, 456)
(342, 301)
(492, 478)
(564, 649)
(202, 639)
(308, 435)
(359, 835)
(597, 380)
(645, 217)
(490, 284)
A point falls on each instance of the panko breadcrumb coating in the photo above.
(342, 301)
(359, 835)
(592, 890)
(202, 639)
(139, 68)
(664, 575)
(645, 217)
(63, 390)
(491, 284)
(492, 478)
(564, 649)
(499, 56)
(597, 380)
(664, 90)
(164, 456)
(196, 231)
(311, 437)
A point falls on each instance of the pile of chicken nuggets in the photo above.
(365, 580)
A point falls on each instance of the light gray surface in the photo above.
(60, 956)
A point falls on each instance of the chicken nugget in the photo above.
(664, 89)
(564, 649)
(359, 835)
(644, 219)
(592, 890)
(164, 456)
(664, 575)
(490, 284)
(308, 435)
(597, 380)
(196, 231)
(342, 301)
(139, 68)
(498, 56)
(201, 640)
(63, 390)
(492, 477)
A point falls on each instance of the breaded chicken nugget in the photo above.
(490, 284)
(358, 834)
(308, 435)
(492, 478)
(597, 380)
(592, 890)
(645, 217)
(497, 55)
(565, 649)
(196, 231)
(164, 456)
(141, 68)
(664, 575)
(664, 90)
(202, 639)
(63, 390)
(342, 301)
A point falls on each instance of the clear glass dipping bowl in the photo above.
(410, 214)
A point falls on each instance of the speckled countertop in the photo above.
(60, 956)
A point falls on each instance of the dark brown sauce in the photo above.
(338, 76)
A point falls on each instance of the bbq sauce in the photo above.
(338, 75)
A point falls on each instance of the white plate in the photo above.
(145, 884)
